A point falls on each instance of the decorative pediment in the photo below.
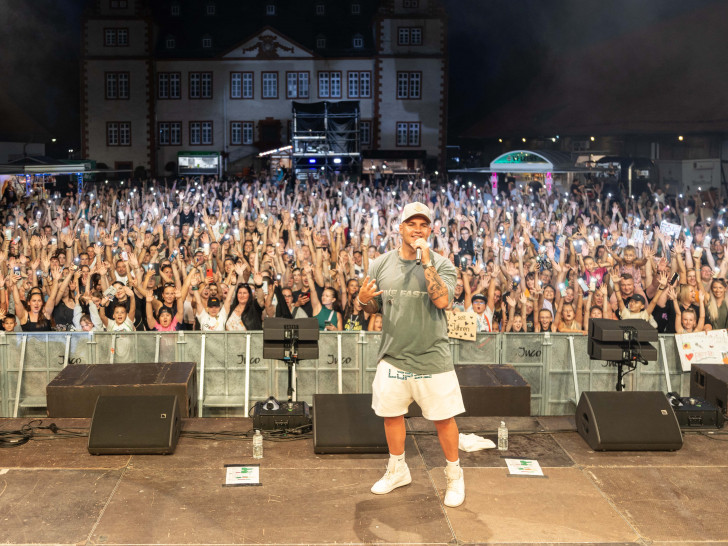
(268, 44)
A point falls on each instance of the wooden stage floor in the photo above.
(52, 491)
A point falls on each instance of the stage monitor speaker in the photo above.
(628, 421)
(346, 423)
(141, 424)
(710, 382)
(599, 350)
(621, 330)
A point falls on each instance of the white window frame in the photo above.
(357, 42)
(236, 85)
(170, 42)
(206, 42)
(270, 9)
(175, 133)
(269, 82)
(365, 128)
(175, 85)
(195, 133)
(124, 133)
(210, 8)
(248, 85)
(207, 133)
(320, 9)
(356, 8)
(236, 133)
(248, 135)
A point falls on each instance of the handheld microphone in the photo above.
(419, 256)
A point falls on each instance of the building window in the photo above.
(118, 133)
(210, 8)
(360, 85)
(118, 4)
(170, 42)
(358, 41)
(411, 3)
(320, 9)
(241, 132)
(247, 132)
(163, 134)
(174, 10)
(270, 85)
(365, 133)
(270, 9)
(200, 85)
(206, 42)
(329, 84)
(169, 85)
(241, 85)
(411, 36)
(200, 133)
(320, 42)
(207, 132)
(175, 133)
(408, 134)
(296, 85)
(356, 9)
(236, 133)
(170, 133)
(117, 85)
(116, 37)
(409, 85)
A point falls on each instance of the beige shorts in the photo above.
(438, 395)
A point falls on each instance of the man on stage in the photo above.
(411, 287)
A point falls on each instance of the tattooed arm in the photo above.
(436, 288)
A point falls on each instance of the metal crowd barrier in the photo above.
(232, 373)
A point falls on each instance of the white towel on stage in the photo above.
(473, 442)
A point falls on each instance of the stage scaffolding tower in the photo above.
(325, 138)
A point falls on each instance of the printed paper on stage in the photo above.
(702, 348)
(524, 467)
(242, 474)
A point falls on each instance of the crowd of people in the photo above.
(217, 254)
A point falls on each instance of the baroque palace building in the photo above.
(167, 76)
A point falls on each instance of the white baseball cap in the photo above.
(416, 209)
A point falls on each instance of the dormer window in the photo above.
(320, 41)
(170, 42)
(207, 42)
(356, 9)
(210, 8)
(358, 41)
(175, 10)
(270, 9)
(320, 9)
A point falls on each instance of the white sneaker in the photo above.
(455, 493)
(397, 475)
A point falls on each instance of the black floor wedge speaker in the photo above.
(628, 421)
(346, 423)
(141, 424)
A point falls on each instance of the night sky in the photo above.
(497, 48)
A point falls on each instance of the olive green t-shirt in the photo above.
(414, 331)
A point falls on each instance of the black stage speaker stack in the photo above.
(134, 424)
(617, 340)
(624, 344)
(628, 421)
(346, 423)
(74, 391)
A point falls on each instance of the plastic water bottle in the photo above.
(503, 437)
(257, 445)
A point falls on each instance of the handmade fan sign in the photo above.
(462, 325)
